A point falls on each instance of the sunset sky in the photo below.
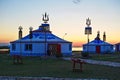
(66, 17)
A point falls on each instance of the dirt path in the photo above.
(107, 63)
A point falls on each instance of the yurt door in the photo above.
(58, 48)
(54, 49)
(98, 49)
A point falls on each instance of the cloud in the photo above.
(76, 1)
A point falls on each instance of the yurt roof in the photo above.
(98, 42)
(41, 37)
(117, 43)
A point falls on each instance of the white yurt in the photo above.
(117, 47)
(98, 46)
(40, 42)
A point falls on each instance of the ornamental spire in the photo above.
(45, 18)
(104, 36)
(88, 22)
(30, 32)
(98, 36)
(20, 32)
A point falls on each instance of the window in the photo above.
(28, 47)
(13, 47)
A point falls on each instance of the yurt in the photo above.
(98, 46)
(117, 47)
(40, 42)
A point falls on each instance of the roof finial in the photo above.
(98, 34)
(30, 28)
(30, 32)
(88, 22)
(20, 28)
(104, 36)
(45, 18)
(20, 32)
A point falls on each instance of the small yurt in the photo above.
(117, 47)
(40, 42)
(98, 46)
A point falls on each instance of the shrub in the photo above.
(85, 54)
(58, 55)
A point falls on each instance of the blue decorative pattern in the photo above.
(40, 36)
(97, 42)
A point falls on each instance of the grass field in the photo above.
(36, 66)
(115, 57)
(107, 57)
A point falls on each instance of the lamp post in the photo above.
(46, 28)
(88, 31)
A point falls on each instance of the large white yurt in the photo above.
(40, 42)
(98, 46)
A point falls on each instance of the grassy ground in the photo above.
(107, 57)
(115, 57)
(36, 66)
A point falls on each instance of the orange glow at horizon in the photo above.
(74, 38)
(7, 38)
(75, 43)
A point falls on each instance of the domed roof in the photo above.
(41, 37)
(98, 42)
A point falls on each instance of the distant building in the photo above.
(40, 42)
(117, 47)
(98, 46)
